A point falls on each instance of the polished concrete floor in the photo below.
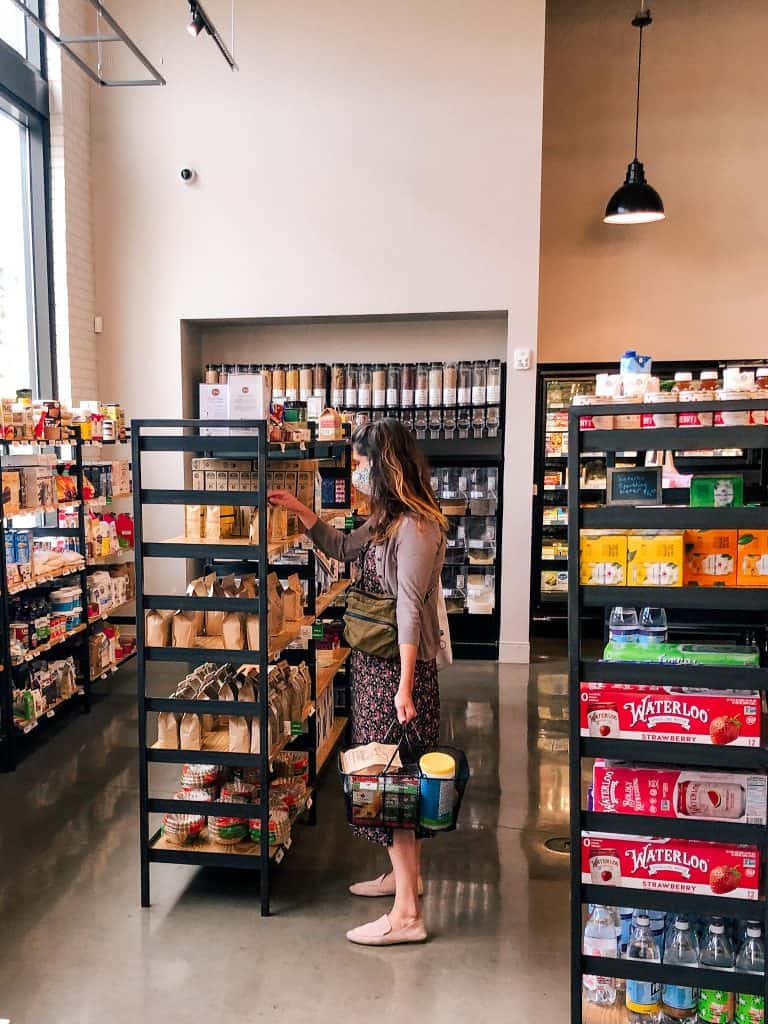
(77, 948)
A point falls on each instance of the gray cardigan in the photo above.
(408, 565)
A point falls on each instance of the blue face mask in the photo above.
(361, 479)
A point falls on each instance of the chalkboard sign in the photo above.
(636, 486)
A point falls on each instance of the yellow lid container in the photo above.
(437, 765)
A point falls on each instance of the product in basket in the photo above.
(620, 788)
(625, 711)
(180, 828)
(670, 865)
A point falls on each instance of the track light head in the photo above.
(196, 24)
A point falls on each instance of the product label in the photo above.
(493, 394)
(351, 396)
(604, 721)
(435, 396)
(643, 996)
(364, 396)
(715, 1006)
(380, 398)
(337, 397)
(478, 396)
(392, 396)
(658, 419)
(406, 398)
(421, 395)
(750, 1009)
(465, 396)
(595, 983)
(678, 997)
(449, 396)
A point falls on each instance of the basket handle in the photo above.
(404, 738)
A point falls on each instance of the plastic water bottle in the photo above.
(623, 625)
(751, 959)
(600, 940)
(679, 1002)
(653, 626)
(658, 924)
(643, 997)
(716, 1005)
(626, 916)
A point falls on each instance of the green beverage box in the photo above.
(723, 491)
(684, 654)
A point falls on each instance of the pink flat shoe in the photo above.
(381, 933)
(384, 885)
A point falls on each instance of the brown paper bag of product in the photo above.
(239, 735)
(214, 621)
(191, 732)
(167, 731)
(194, 523)
(293, 599)
(275, 604)
(219, 522)
(233, 631)
(255, 735)
(185, 628)
(248, 586)
(157, 628)
(252, 627)
(247, 691)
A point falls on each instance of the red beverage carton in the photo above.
(669, 714)
(670, 865)
(620, 788)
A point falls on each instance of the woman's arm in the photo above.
(334, 543)
(404, 706)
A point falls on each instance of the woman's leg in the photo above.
(404, 855)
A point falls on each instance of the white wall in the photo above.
(367, 158)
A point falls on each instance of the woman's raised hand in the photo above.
(286, 500)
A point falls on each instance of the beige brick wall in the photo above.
(70, 97)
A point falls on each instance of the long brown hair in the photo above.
(399, 476)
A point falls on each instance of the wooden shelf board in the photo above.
(324, 601)
(274, 548)
(203, 844)
(326, 747)
(328, 664)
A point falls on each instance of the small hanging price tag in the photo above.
(306, 632)
(279, 856)
(288, 843)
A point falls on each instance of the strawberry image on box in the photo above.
(620, 788)
(664, 713)
(670, 865)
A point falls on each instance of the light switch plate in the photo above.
(521, 359)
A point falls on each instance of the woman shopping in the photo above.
(399, 552)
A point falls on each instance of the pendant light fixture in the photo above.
(636, 202)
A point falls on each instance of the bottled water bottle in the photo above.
(600, 940)
(658, 923)
(716, 1004)
(626, 915)
(653, 626)
(751, 959)
(679, 1002)
(643, 997)
(623, 625)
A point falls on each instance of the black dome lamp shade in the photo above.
(635, 202)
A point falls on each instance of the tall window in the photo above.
(26, 320)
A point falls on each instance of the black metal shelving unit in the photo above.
(184, 436)
(714, 602)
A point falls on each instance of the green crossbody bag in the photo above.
(370, 623)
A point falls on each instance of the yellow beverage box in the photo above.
(752, 568)
(711, 558)
(603, 561)
(655, 559)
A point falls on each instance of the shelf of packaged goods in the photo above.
(708, 598)
(115, 558)
(102, 501)
(693, 977)
(324, 601)
(711, 677)
(50, 712)
(212, 649)
(467, 448)
(41, 581)
(107, 672)
(325, 749)
(188, 547)
(38, 652)
(675, 517)
(203, 851)
(701, 830)
(675, 439)
(329, 663)
(702, 755)
(677, 902)
(215, 745)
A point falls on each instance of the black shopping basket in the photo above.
(398, 797)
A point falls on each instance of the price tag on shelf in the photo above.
(306, 632)
(288, 843)
(29, 727)
(50, 714)
(308, 804)
(279, 856)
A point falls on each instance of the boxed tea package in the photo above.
(655, 559)
(670, 865)
(684, 654)
(710, 558)
(663, 792)
(633, 712)
(603, 559)
(752, 567)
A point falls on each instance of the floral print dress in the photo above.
(375, 681)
